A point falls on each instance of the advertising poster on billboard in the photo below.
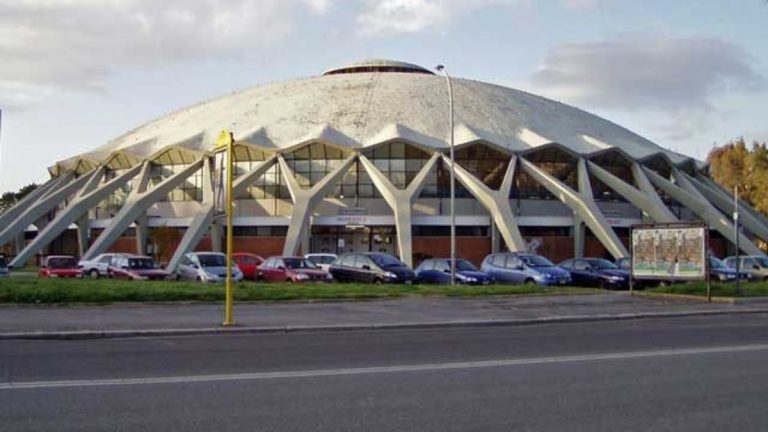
(669, 252)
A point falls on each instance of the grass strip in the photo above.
(748, 289)
(56, 291)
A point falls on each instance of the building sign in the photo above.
(669, 251)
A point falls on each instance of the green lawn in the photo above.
(34, 290)
(748, 289)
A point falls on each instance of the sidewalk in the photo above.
(168, 319)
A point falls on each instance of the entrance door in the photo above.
(353, 240)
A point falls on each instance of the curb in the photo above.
(109, 334)
(703, 299)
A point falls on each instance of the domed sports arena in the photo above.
(357, 159)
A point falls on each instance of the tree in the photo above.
(734, 164)
(9, 199)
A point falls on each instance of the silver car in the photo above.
(206, 267)
(322, 260)
(754, 265)
(99, 265)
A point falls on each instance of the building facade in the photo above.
(357, 160)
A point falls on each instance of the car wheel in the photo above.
(94, 274)
(530, 282)
(377, 281)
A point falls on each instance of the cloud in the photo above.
(648, 73)
(49, 46)
(382, 17)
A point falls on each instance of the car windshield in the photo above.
(463, 265)
(212, 260)
(763, 261)
(536, 261)
(62, 263)
(141, 263)
(715, 262)
(299, 263)
(386, 260)
(602, 264)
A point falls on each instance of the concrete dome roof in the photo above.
(354, 109)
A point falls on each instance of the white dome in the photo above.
(356, 109)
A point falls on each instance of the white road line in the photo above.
(378, 369)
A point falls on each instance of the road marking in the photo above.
(429, 367)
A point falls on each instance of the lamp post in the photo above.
(441, 68)
(736, 234)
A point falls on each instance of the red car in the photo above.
(135, 267)
(56, 266)
(291, 269)
(248, 263)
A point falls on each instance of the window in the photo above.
(314, 162)
(498, 260)
(581, 265)
(347, 261)
(513, 262)
(399, 162)
(191, 189)
(361, 261)
(442, 265)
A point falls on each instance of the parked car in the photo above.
(4, 272)
(516, 268)
(291, 269)
(55, 266)
(99, 265)
(322, 260)
(719, 271)
(135, 267)
(206, 267)
(596, 272)
(438, 270)
(373, 267)
(248, 264)
(755, 265)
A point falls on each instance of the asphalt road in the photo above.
(683, 374)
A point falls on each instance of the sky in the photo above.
(75, 74)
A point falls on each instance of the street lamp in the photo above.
(441, 68)
(736, 234)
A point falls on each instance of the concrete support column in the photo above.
(704, 210)
(400, 201)
(41, 207)
(724, 203)
(646, 199)
(579, 236)
(495, 241)
(582, 205)
(76, 212)
(743, 207)
(304, 200)
(217, 236)
(83, 233)
(12, 213)
(142, 234)
(137, 204)
(205, 217)
(495, 201)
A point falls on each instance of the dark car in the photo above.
(291, 269)
(438, 270)
(596, 272)
(371, 267)
(527, 268)
(134, 267)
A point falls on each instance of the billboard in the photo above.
(669, 251)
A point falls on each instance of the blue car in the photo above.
(3, 267)
(438, 270)
(518, 268)
(720, 272)
(596, 272)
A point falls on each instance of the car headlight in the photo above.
(390, 275)
(470, 279)
(616, 278)
(302, 276)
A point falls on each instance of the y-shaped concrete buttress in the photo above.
(703, 209)
(304, 200)
(400, 201)
(583, 205)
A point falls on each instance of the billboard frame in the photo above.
(662, 278)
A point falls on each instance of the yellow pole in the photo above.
(228, 306)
